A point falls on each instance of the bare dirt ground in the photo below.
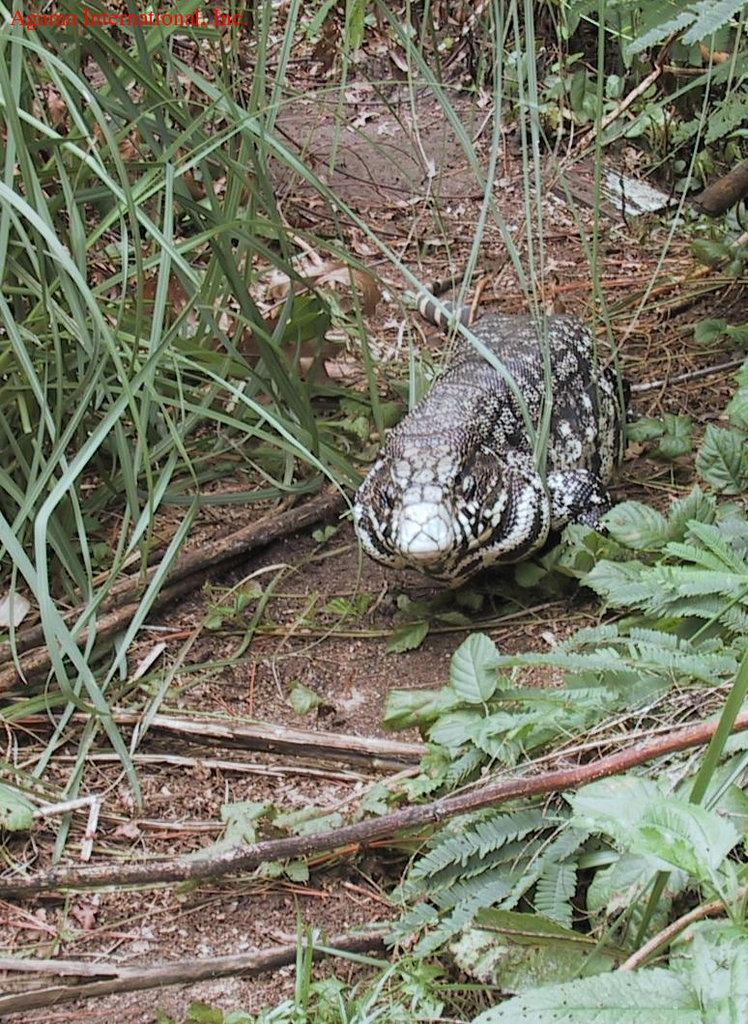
(379, 171)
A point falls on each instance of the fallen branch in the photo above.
(180, 972)
(187, 573)
(723, 193)
(244, 858)
(278, 739)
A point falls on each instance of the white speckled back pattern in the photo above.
(456, 487)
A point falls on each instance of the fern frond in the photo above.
(557, 852)
(484, 892)
(476, 839)
(555, 890)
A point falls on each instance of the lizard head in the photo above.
(424, 506)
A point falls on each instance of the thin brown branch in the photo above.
(666, 936)
(249, 856)
(180, 972)
(683, 378)
(187, 573)
(605, 122)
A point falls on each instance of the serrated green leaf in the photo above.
(646, 428)
(524, 954)
(722, 460)
(473, 600)
(683, 835)
(653, 996)
(711, 15)
(203, 1013)
(615, 888)
(324, 534)
(408, 708)
(453, 729)
(297, 871)
(637, 526)
(672, 447)
(613, 806)
(713, 958)
(472, 672)
(554, 891)
(529, 574)
(662, 26)
(674, 431)
(408, 637)
(452, 618)
(735, 267)
(696, 505)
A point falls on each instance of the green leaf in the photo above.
(660, 25)
(344, 606)
(613, 806)
(652, 996)
(696, 505)
(297, 871)
(408, 708)
(712, 956)
(615, 888)
(472, 672)
(684, 835)
(711, 253)
(737, 410)
(303, 700)
(711, 15)
(707, 331)
(241, 820)
(735, 267)
(324, 533)
(642, 821)
(637, 526)
(520, 952)
(16, 810)
(529, 574)
(408, 637)
(203, 1013)
(739, 335)
(453, 730)
(722, 460)
(677, 438)
(577, 90)
(646, 428)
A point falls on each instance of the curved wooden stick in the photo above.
(248, 856)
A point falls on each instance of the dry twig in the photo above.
(666, 936)
(244, 858)
(112, 978)
(187, 573)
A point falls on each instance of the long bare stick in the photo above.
(374, 751)
(186, 574)
(246, 857)
(180, 972)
